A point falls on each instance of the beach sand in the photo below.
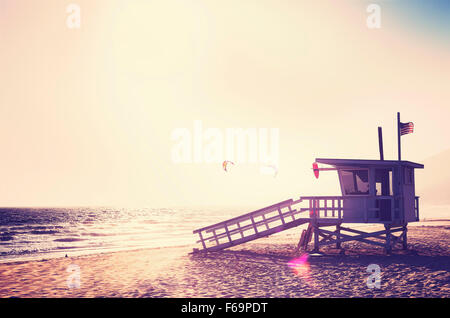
(255, 269)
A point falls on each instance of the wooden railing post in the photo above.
(392, 209)
(316, 238)
(240, 230)
(405, 237)
(416, 208)
(292, 214)
(201, 239)
(267, 224)
(388, 239)
(228, 233)
(338, 236)
(366, 216)
(316, 208)
(281, 216)
(339, 209)
(333, 207)
(215, 237)
(254, 225)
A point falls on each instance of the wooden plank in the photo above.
(300, 242)
(309, 231)
(362, 232)
(342, 240)
(325, 237)
(362, 235)
(321, 197)
(346, 238)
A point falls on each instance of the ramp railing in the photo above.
(325, 206)
(269, 220)
(250, 226)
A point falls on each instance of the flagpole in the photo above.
(399, 137)
(380, 143)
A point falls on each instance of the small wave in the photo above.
(6, 238)
(149, 222)
(44, 232)
(19, 252)
(98, 234)
(68, 240)
(36, 227)
(9, 233)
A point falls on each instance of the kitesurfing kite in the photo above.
(225, 164)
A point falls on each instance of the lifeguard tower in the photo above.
(373, 191)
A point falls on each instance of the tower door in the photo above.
(384, 198)
(408, 194)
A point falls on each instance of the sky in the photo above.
(87, 115)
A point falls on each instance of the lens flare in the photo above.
(300, 267)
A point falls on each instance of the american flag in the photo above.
(406, 128)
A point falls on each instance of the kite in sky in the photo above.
(225, 164)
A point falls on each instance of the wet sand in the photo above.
(255, 269)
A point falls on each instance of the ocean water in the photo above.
(36, 233)
(434, 212)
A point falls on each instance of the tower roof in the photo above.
(368, 163)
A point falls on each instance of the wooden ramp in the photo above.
(321, 212)
(251, 226)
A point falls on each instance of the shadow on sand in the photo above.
(411, 258)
